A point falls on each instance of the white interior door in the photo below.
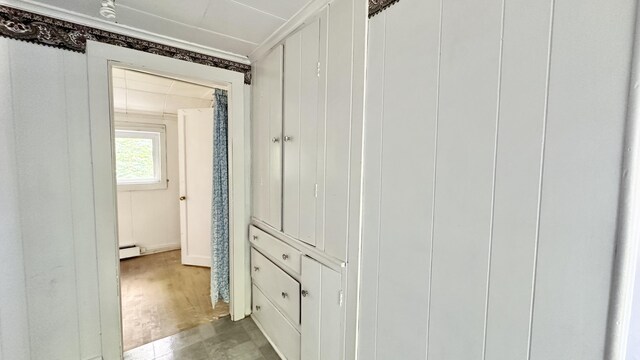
(195, 141)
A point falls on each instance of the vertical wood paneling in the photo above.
(518, 169)
(14, 322)
(590, 61)
(81, 182)
(46, 206)
(338, 128)
(372, 169)
(408, 158)
(469, 74)
(291, 127)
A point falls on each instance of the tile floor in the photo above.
(220, 339)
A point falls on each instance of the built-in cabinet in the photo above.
(300, 183)
(295, 163)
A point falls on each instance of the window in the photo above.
(140, 157)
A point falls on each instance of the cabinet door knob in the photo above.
(285, 295)
(255, 237)
(275, 140)
(183, 198)
(257, 307)
(255, 268)
(304, 293)
(288, 138)
(285, 256)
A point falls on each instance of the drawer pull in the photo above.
(255, 268)
(285, 256)
(304, 293)
(285, 295)
(257, 307)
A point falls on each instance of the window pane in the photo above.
(134, 160)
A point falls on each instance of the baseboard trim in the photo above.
(148, 250)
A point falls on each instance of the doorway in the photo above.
(163, 145)
(102, 58)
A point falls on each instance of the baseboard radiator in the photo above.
(129, 251)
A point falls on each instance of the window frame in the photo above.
(161, 156)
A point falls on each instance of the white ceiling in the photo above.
(236, 26)
(136, 92)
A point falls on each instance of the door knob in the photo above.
(183, 198)
(255, 268)
(304, 293)
(275, 140)
(288, 138)
(255, 237)
(285, 256)
(257, 307)
(285, 295)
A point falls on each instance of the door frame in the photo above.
(100, 59)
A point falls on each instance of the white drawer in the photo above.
(284, 255)
(277, 285)
(284, 336)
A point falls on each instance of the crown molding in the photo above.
(297, 20)
(97, 23)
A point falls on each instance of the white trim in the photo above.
(100, 58)
(297, 20)
(628, 231)
(95, 22)
(150, 250)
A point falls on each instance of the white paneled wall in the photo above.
(14, 328)
(46, 165)
(493, 142)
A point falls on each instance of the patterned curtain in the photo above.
(220, 202)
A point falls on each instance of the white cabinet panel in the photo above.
(338, 126)
(266, 142)
(301, 122)
(322, 313)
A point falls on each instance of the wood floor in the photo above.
(161, 297)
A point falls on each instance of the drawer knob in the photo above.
(285, 295)
(255, 237)
(257, 307)
(285, 256)
(255, 268)
(304, 293)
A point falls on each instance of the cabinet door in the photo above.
(322, 312)
(301, 122)
(266, 139)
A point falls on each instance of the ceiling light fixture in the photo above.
(108, 9)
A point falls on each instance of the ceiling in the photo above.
(236, 26)
(137, 92)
